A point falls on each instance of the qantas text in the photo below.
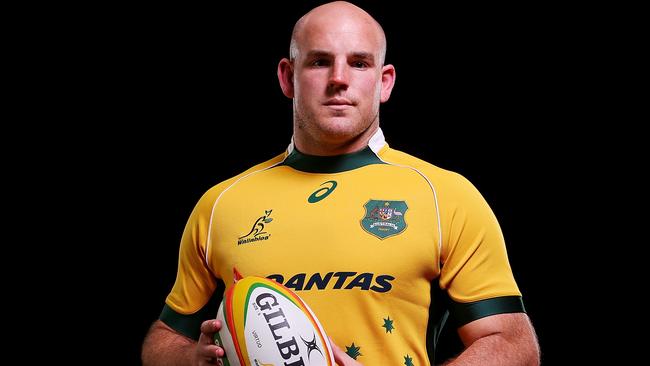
(336, 280)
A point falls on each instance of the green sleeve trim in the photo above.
(464, 313)
(189, 325)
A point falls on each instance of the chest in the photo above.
(350, 230)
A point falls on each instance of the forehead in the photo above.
(339, 35)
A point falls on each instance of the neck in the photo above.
(321, 147)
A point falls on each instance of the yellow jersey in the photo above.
(367, 239)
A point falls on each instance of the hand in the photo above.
(342, 358)
(207, 353)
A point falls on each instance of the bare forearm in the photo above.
(164, 347)
(497, 350)
(501, 339)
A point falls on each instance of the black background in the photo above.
(177, 99)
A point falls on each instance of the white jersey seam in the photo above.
(435, 200)
(214, 206)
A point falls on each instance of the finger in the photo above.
(338, 355)
(337, 352)
(209, 349)
(211, 361)
(341, 358)
(209, 353)
(210, 326)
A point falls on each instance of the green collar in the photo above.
(331, 164)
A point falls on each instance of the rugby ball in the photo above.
(266, 324)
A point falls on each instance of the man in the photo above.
(365, 234)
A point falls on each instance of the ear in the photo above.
(285, 76)
(387, 81)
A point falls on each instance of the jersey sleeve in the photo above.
(198, 289)
(185, 306)
(475, 270)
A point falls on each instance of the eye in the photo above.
(319, 62)
(359, 64)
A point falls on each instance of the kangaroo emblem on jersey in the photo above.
(384, 218)
(257, 231)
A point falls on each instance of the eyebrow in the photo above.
(318, 53)
(364, 55)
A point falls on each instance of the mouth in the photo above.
(338, 103)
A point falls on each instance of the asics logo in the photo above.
(321, 193)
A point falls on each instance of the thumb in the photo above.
(342, 358)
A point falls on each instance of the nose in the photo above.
(339, 76)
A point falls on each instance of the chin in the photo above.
(339, 126)
(334, 127)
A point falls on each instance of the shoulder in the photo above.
(449, 182)
(208, 199)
